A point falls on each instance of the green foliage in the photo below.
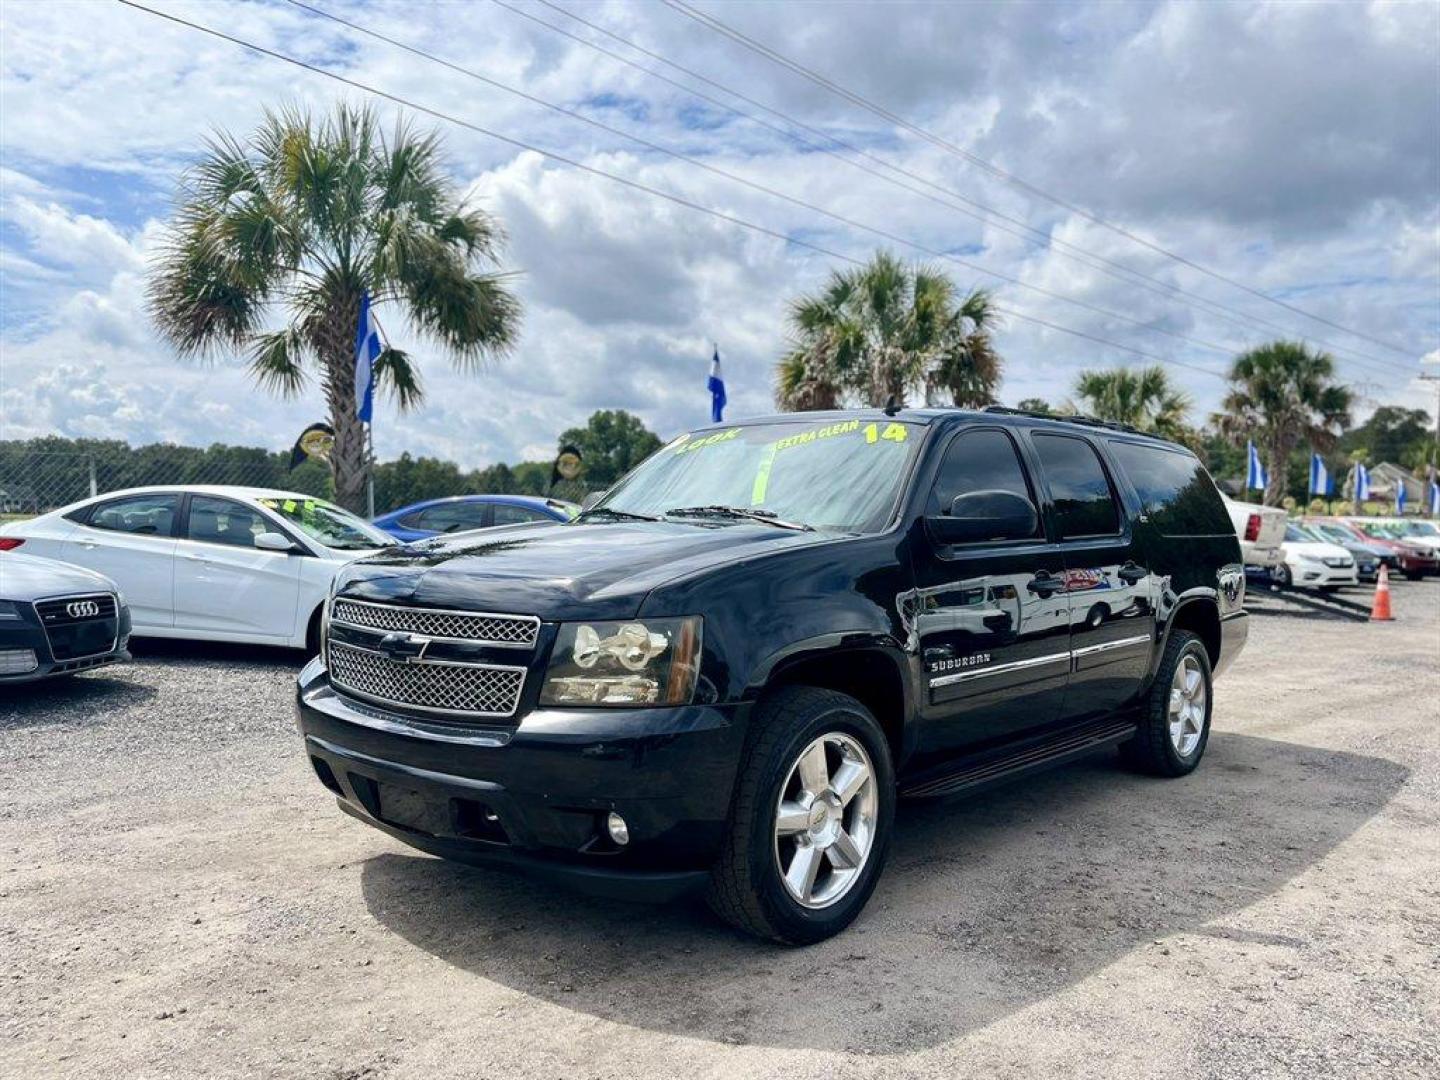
(1144, 398)
(612, 442)
(888, 329)
(293, 226)
(1035, 404)
(1403, 436)
(1284, 396)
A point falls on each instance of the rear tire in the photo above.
(1175, 724)
(805, 847)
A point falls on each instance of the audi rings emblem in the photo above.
(82, 609)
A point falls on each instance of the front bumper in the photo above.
(1319, 574)
(536, 796)
(26, 655)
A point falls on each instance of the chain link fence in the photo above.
(40, 475)
(35, 480)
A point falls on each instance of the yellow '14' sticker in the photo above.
(894, 432)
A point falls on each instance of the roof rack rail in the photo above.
(1068, 418)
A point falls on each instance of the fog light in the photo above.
(619, 831)
(20, 661)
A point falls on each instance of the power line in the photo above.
(636, 185)
(715, 24)
(762, 188)
(989, 215)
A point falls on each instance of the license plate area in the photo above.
(408, 809)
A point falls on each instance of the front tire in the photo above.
(1175, 725)
(811, 822)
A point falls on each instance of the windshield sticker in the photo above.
(709, 440)
(762, 476)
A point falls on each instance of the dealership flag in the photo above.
(1435, 498)
(1362, 483)
(367, 351)
(1399, 498)
(1319, 476)
(1255, 478)
(717, 388)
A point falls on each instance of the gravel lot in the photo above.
(181, 898)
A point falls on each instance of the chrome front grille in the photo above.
(431, 685)
(519, 631)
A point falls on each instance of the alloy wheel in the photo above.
(825, 820)
(1187, 706)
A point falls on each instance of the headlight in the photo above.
(9, 610)
(654, 662)
(1305, 556)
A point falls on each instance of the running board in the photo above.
(1055, 750)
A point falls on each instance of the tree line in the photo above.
(52, 471)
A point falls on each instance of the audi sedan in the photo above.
(209, 563)
(57, 619)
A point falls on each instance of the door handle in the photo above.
(1130, 573)
(88, 545)
(1042, 584)
(199, 558)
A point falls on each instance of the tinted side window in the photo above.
(1175, 491)
(454, 517)
(220, 521)
(148, 515)
(978, 461)
(510, 515)
(1084, 503)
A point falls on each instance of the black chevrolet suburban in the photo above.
(723, 673)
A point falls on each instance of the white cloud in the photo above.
(1223, 131)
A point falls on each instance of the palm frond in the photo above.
(395, 371)
(276, 361)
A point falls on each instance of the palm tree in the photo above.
(1282, 394)
(299, 222)
(888, 330)
(1144, 398)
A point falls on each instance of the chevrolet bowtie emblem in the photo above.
(404, 647)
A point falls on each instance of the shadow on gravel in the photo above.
(72, 699)
(987, 905)
(175, 651)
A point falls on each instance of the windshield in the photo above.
(1419, 528)
(837, 475)
(1338, 533)
(329, 525)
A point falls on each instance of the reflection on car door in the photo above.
(226, 585)
(1108, 586)
(990, 621)
(131, 540)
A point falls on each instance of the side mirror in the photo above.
(590, 500)
(274, 541)
(978, 516)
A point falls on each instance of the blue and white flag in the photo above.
(367, 351)
(717, 389)
(1399, 498)
(1362, 483)
(1435, 498)
(1320, 482)
(1255, 478)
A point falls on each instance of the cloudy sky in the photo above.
(1292, 147)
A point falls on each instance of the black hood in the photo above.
(578, 570)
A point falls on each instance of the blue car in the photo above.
(461, 512)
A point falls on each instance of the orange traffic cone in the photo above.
(1380, 609)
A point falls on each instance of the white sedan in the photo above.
(1312, 561)
(212, 563)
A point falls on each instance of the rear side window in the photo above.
(1079, 488)
(983, 460)
(1176, 492)
(147, 515)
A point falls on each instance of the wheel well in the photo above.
(312, 629)
(1201, 618)
(869, 676)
